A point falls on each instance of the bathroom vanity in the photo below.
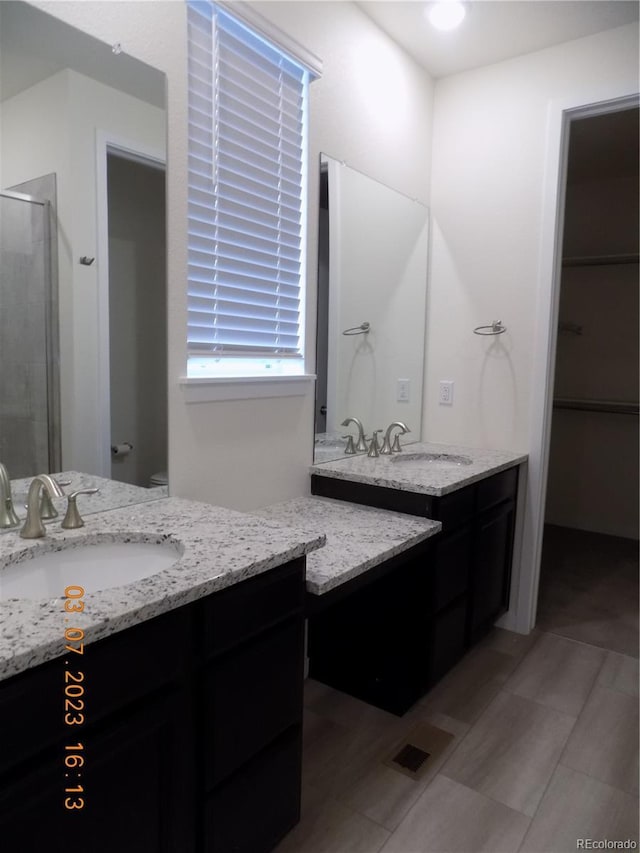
(389, 638)
(177, 727)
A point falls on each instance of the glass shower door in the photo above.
(27, 433)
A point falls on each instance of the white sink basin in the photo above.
(444, 459)
(91, 563)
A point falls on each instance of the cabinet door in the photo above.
(492, 569)
(136, 789)
(256, 807)
(448, 639)
(250, 696)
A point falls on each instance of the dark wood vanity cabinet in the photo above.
(192, 732)
(370, 638)
(389, 637)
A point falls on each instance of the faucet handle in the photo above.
(73, 519)
(350, 448)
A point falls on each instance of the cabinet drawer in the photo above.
(253, 810)
(250, 696)
(116, 671)
(498, 488)
(30, 712)
(126, 808)
(453, 509)
(232, 615)
(149, 655)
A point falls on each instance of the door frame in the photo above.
(108, 143)
(522, 617)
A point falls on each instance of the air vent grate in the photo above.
(422, 751)
(411, 757)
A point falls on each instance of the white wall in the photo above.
(52, 127)
(371, 102)
(489, 148)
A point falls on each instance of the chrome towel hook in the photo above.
(362, 329)
(496, 328)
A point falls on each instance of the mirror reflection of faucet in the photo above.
(8, 516)
(350, 449)
(387, 448)
(361, 446)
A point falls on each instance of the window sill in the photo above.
(212, 389)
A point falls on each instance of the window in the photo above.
(247, 175)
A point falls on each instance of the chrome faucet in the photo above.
(386, 448)
(8, 516)
(33, 527)
(361, 446)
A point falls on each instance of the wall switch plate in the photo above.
(446, 392)
(403, 391)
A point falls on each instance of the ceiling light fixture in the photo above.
(446, 14)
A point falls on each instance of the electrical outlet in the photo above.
(446, 392)
(403, 389)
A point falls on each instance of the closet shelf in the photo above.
(611, 406)
(600, 260)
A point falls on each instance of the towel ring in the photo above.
(362, 329)
(496, 328)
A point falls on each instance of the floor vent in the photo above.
(411, 757)
(420, 751)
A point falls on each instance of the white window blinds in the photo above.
(247, 136)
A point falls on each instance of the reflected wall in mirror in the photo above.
(372, 269)
(82, 237)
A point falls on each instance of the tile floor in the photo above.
(545, 750)
(589, 588)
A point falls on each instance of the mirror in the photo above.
(372, 283)
(83, 280)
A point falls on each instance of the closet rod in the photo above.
(610, 406)
(599, 260)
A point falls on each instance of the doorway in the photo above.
(137, 318)
(589, 570)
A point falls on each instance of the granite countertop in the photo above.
(358, 537)
(112, 494)
(220, 547)
(401, 471)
